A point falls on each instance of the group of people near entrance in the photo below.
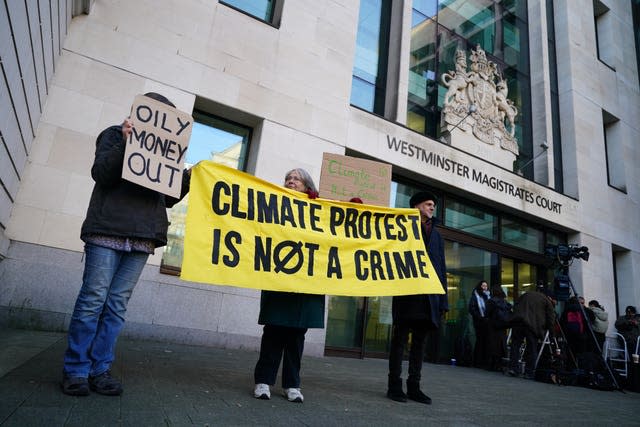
(531, 318)
(126, 222)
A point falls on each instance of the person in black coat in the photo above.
(499, 312)
(478, 311)
(125, 223)
(418, 314)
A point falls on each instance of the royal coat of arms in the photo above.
(481, 94)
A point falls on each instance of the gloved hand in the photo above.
(312, 194)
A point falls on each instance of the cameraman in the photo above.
(533, 316)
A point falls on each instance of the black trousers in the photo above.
(518, 334)
(399, 338)
(280, 342)
(481, 349)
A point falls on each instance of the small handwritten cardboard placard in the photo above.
(155, 152)
(345, 177)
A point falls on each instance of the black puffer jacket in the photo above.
(426, 307)
(119, 207)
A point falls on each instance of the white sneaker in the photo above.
(293, 395)
(262, 392)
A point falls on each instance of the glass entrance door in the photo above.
(345, 326)
(517, 278)
(358, 326)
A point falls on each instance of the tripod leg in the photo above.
(545, 342)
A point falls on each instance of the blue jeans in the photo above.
(107, 284)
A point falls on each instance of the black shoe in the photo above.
(418, 396)
(397, 395)
(512, 373)
(105, 384)
(75, 386)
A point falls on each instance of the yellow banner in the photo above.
(246, 232)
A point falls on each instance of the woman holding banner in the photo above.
(286, 317)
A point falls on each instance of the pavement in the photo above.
(168, 384)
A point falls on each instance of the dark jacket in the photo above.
(499, 312)
(426, 307)
(291, 309)
(119, 207)
(534, 310)
(629, 327)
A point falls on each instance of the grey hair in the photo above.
(306, 178)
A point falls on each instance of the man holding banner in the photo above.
(125, 222)
(418, 314)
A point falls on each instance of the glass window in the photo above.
(370, 63)
(500, 28)
(466, 266)
(604, 23)
(401, 194)
(527, 278)
(558, 179)
(423, 85)
(518, 234)
(470, 219)
(555, 238)
(212, 138)
(344, 322)
(614, 151)
(508, 278)
(472, 19)
(261, 9)
(424, 9)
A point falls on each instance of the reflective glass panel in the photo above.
(470, 219)
(423, 93)
(261, 9)
(426, 8)
(379, 320)
(344, 322)
(369, 67)
(508, 278)
(472, 19)
(466, 266)
(527, 278)
(521, 235)
(212, 138)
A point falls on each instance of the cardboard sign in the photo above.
(155, 153)
(344, 177)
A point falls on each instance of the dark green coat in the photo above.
(291, 309)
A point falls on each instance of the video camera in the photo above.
(565, 253)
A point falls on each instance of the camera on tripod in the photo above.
(564, 255)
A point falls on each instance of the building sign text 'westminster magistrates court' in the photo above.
(457, 168)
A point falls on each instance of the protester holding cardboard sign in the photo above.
(125, 222)
(286, 317)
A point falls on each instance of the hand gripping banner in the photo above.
(243, 231)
